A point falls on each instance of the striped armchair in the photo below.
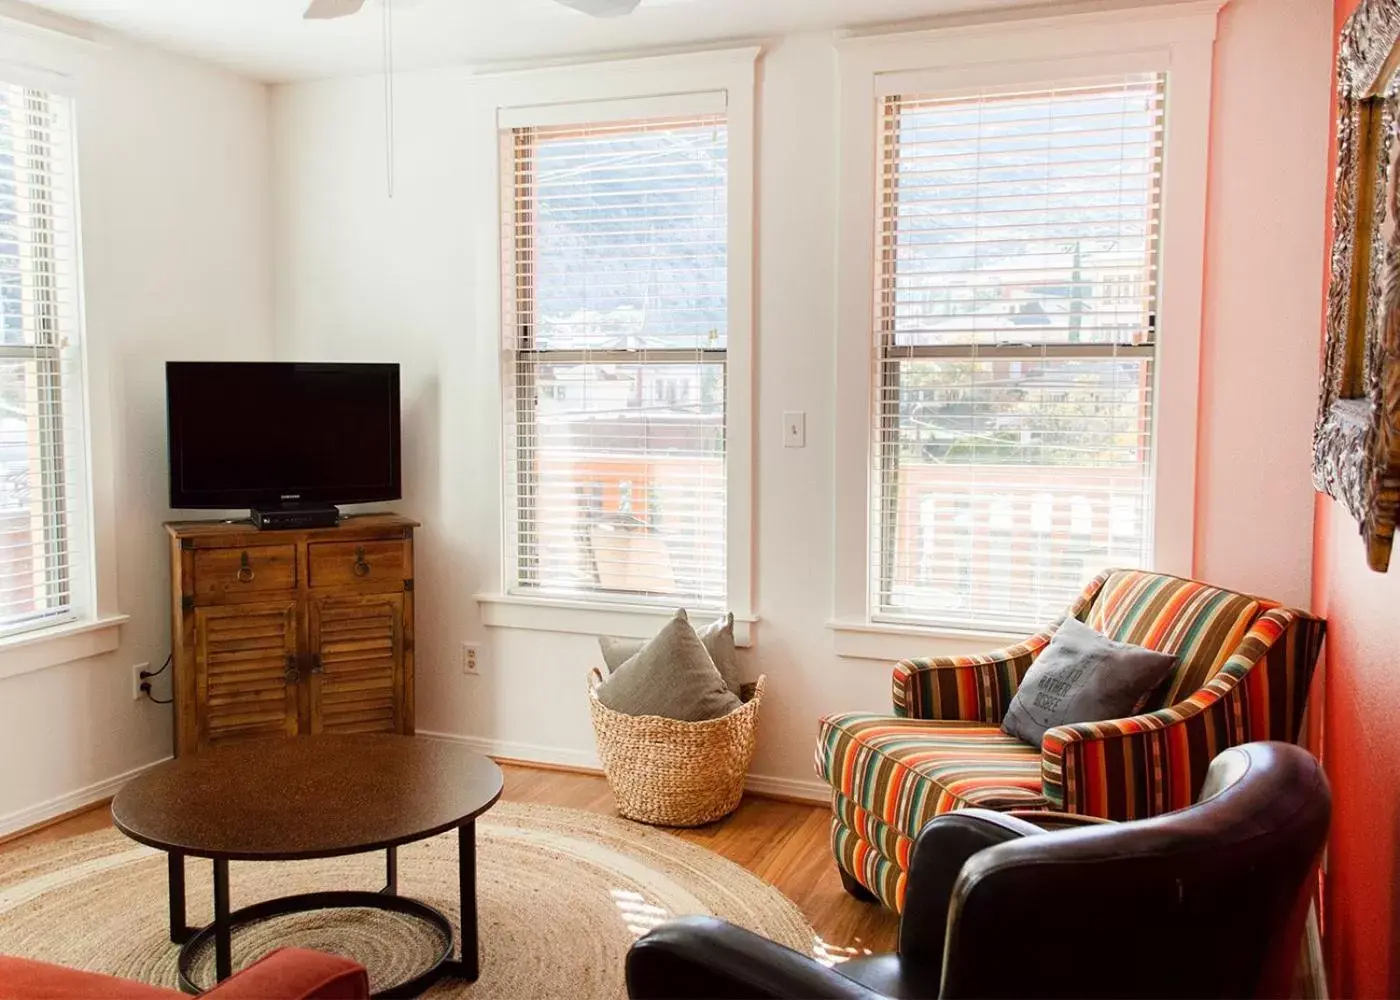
(1242, 674)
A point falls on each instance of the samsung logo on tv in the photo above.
(291, 496)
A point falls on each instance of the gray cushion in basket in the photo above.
(718, 637)
(672, 676)
(1083, 676)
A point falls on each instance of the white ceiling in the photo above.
(268, 40)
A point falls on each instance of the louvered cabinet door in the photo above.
(357, 664)
(245, 659)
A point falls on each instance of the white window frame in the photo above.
(1177, 39)
(633, 88)
(57, 62)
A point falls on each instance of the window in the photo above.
(615, 312)
(1015, 333)
(42, 528)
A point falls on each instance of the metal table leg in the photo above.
(179, 930)
(223, 930)
(466, 889)
(391, 866)
(467, 968)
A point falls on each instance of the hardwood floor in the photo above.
(783, 843)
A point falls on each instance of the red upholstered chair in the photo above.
(285, 974)
(1244, 664)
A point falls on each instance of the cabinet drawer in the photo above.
(220, 573)
(356, 564)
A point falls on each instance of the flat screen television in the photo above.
(272, 436)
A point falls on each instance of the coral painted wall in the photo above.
(1361, 748)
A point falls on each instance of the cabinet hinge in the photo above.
(408, 584)
(187, 603)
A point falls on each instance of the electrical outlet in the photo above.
(471, 659)
(137, 680)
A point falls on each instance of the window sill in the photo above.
(854, 640)
(48, 647)
(628, 621)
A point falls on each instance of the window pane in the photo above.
(629, 238)
(1016, 483)
(1016, 329)
(1027, 218)
(616, 256)
(39, 365)
(630, 465)
(33, 552)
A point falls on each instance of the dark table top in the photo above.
(306, 797)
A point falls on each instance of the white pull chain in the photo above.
(389, 95)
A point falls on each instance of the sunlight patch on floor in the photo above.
(639, 915)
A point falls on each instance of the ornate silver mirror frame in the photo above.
(1356, 443)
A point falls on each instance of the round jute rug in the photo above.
(561, 896)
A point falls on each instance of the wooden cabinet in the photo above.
(242, 656)
(357, 656)
(278, 633)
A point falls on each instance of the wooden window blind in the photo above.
(1015, 333)
(615, 239)
(41, 452)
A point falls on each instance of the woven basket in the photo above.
(672, 773)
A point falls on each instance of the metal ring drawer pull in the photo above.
(361, 567)
(245, 570)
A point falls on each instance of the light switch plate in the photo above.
(794, 429)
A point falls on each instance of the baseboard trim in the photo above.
(512, 752)
(585, 762)
(789, 789)
(36, 817)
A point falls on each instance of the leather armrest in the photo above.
(943, 846)
(703, 957)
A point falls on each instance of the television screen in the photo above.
(267, 435)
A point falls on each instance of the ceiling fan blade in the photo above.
(327, 10)
(603, 8)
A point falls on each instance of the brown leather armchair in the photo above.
(1208, 901)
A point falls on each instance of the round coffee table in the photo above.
(313, 797)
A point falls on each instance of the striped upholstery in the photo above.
(857, 855)
(971, 688)
(906, 771)
(1243, 674)
(974, 688)
(1155, 763)
(1199, 624)
(888, 842)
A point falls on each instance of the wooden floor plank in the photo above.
(787, 844)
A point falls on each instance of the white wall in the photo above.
(365, 278)
(175, 164)
(1259, 360)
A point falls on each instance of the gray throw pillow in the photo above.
(671, 676)
(1083, 676)
(617, 651)
(718, 637)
